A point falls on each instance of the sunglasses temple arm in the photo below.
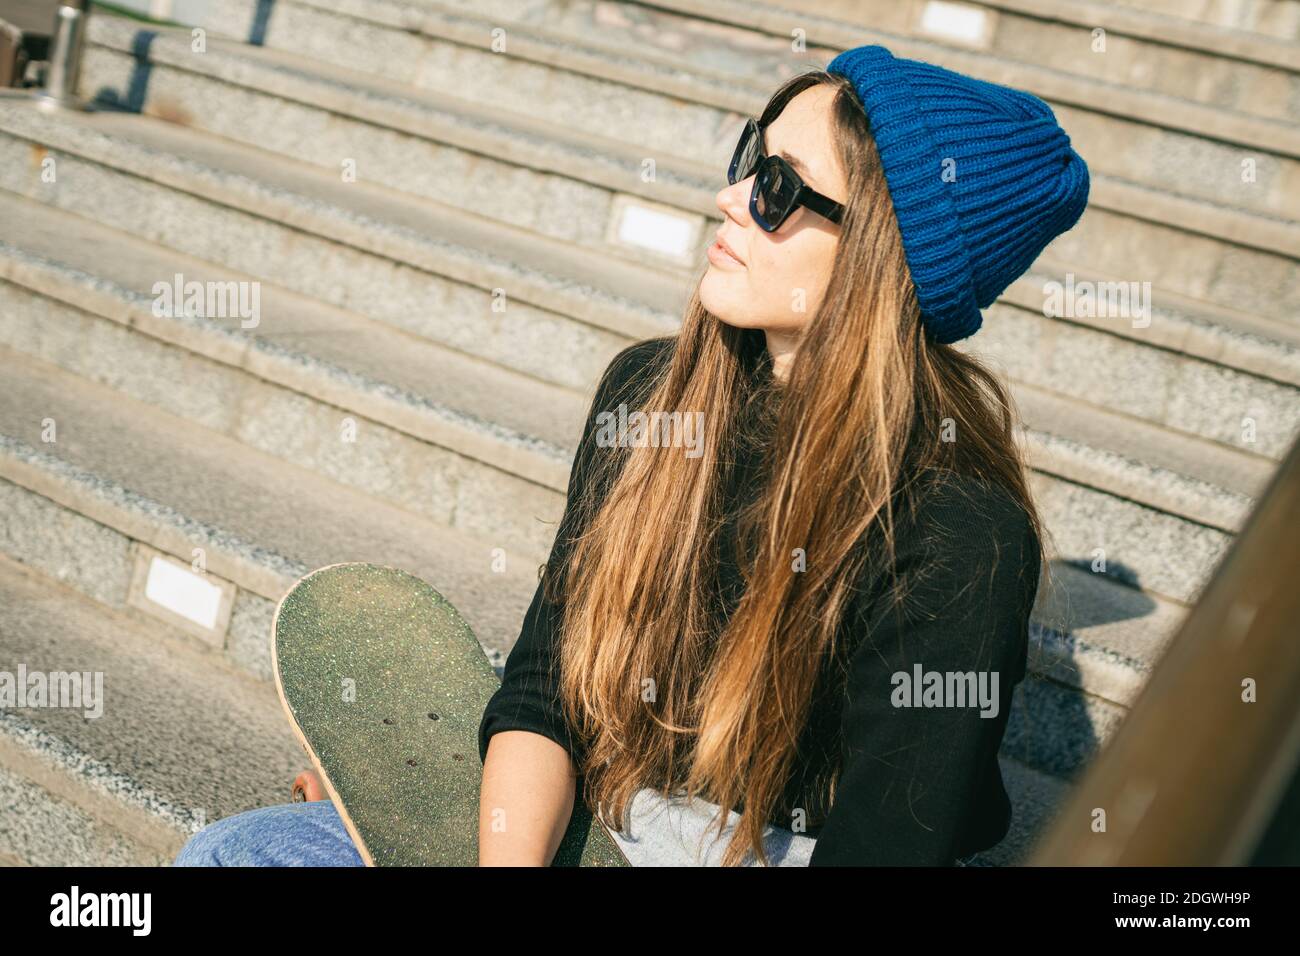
(818, 203)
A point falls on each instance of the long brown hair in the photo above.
(662, 690)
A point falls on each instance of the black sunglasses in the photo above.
(778, 189)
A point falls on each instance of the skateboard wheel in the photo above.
(307, 787)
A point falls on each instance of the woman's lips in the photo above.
(719, 256)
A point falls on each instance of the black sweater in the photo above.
(919, 785)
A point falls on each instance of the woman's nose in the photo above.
(733, 199)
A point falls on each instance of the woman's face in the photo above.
(780, 277)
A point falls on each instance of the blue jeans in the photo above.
(661, 832)
(287, 834)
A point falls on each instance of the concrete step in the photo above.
(177, 739)
(1278, 19)
(1232, 399)
(1229, 69)
(1177, 324)
(43, 829)
(1138, 545)
(1092, 634)
(554, 180)
(492, 291)
(1177, 474)
(123, 481)
(459, 441)
(1232, 243)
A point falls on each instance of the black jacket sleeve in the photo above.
(528, 696)
(915, 781)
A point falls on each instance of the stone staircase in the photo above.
(432, 328)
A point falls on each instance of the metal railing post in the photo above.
(64, 67)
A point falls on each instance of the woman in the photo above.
(817, 617)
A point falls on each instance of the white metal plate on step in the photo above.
(957, 23)
(195, 601)
(655, 228)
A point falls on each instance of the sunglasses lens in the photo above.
(746, 156)
(774, 192)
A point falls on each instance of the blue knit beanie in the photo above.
(981, 177)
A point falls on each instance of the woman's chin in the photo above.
(724, 309)
(734, 317)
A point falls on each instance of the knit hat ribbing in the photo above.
(1014, 183)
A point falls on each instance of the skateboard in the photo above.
(384, 684)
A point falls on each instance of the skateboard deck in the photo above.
(384, 684)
